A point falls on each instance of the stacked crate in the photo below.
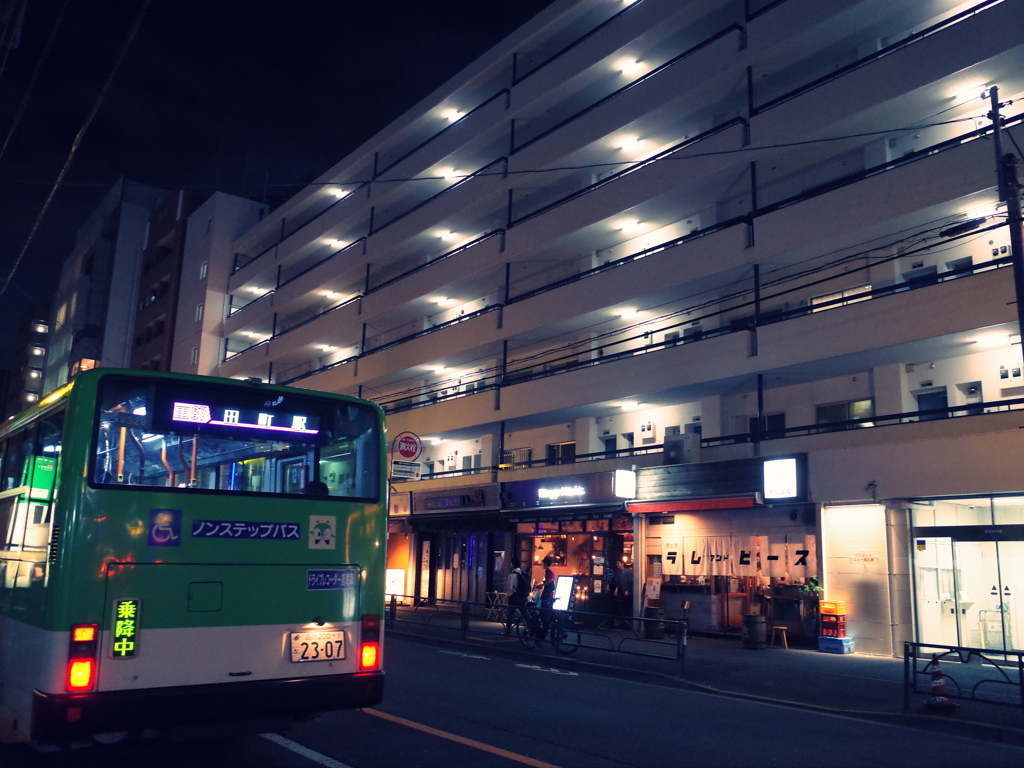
(833, 637)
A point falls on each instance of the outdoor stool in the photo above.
(778, 631)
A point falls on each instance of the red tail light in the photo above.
(369, 642)
(81, 672)
(368, 656)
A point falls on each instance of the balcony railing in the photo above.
(909, 417)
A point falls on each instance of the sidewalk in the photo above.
(856, 685)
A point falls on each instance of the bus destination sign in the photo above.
(197, 413)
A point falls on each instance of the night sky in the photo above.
(244, 97)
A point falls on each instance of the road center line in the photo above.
(460, 739)
(306, 752)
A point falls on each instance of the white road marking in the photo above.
(465, 655)
(306, 752)
(547, 669)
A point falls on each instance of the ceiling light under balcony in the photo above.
(994, 341)
(631, 226)
(335, 243)
(451, 115)
(443, 301)
(971, 91)
(448, 173)
(326, 347)
(629, 405)
(338, 193)
(447, 235)
(628, 66)
(631, 144)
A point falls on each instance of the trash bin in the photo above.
(654, 629)
(753, 632)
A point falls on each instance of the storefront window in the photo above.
(572, 526)
(597, 525)
(525, 527)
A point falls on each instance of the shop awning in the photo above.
(690, 505)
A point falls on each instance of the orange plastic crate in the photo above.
(832, 607)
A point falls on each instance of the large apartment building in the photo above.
(689, 240)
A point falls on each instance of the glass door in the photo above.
(936, 591)
(970, 593)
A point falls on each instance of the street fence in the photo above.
(656, 638)
(975, 674)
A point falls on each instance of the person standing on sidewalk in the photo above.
(624, 593)
(520, 585)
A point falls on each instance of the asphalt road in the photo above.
(445, 708)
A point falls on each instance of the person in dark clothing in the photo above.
(520, 586)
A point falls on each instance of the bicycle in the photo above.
(532, 627)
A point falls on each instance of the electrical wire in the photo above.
(76, 144)
(35, 77)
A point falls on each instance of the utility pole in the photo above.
(1009, 193)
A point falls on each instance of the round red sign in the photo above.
(408, 446)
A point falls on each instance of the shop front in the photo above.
(968, 571)
(719, 540)
(580, 521)
(450, 544)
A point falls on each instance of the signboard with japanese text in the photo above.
(236, 529)
(127, 612)
(672, 555)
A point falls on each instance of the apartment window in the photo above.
(199, 312)
(840, 298)
(851, 409)
(195, 355)
(202, 270)
(561, 453)
(773, 422)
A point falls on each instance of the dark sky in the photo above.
(214, 94)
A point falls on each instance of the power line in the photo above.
(35, 76)
(583, 167)
(76, 144)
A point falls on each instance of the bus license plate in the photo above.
(317, 646)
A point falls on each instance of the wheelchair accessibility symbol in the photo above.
(164, 528)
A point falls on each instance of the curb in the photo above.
(964, 729)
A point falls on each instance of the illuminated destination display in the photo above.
(126, 628)
(195, 413)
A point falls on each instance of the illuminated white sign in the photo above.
(203, 414)
(780, 479)
(566, 491)
(625, 484)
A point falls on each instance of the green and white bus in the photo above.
(178, 551)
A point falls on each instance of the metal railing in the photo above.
(640, 636)
(889, 49)
(974, 674)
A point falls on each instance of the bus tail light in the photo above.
(81, 671)
(369, 642)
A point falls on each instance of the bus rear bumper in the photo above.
(62, 718)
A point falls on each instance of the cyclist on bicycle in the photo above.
(547, 593)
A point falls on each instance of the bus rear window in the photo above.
(234, 439)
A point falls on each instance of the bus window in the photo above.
(204, 436)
